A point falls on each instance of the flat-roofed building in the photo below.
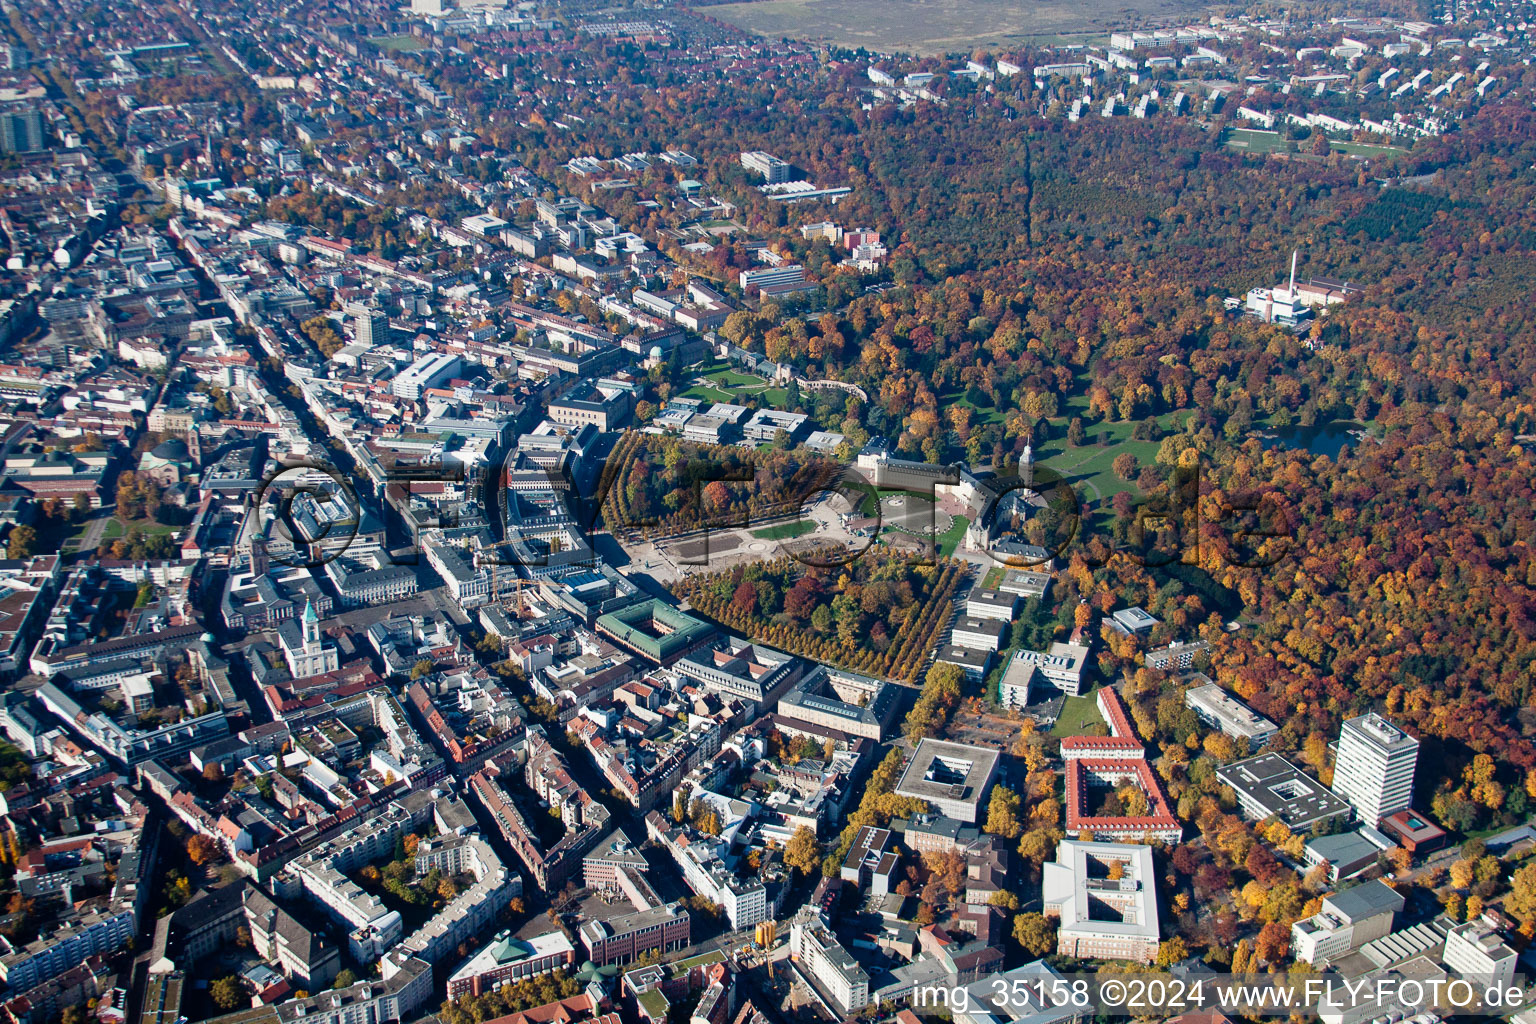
(992, 604)
(617, 853)
(1347, 921)
(977, 634)
(426, 372)
(769, 166)
(1024, 583)
(954, 778)
(1061, 665)
(1013, 689)
(1104, 896)
(1220, 710)
(1131, 621)
(1374, 768)
(1177, 656)
(1346, 854)
(765, 424)
(1413, 831)
(622, 937)
(830, 967)
(972, 662)
(1269, 786)
(1477, 951)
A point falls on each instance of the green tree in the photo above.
(346, 978)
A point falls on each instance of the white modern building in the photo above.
(769, 166)
(992, 604)
(767, 277)
(1018, 680)
(426, 372)
(977, 634)
(1105, 897)
(953, 777)
(1060, 665)
(1269, 786)
(1374, 770)
(1347, 921)
(827, 963)
(1221, 711)
(1476, 951)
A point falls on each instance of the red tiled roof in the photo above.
(1099, 743)
(1078, 791)
(1116, 715)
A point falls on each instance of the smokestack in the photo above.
(1293, 275)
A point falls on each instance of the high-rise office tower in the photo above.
(372, 327)
(21, 131)
(1374, 770)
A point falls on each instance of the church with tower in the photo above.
(304, 646)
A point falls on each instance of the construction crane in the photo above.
(482, 560)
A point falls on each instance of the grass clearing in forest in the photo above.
(1366, 149)
(1257, 140)
(940, 26)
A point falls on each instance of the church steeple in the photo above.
(311, 625)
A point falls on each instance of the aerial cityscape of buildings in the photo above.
(441, 584)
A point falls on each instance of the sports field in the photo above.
(1367, 149)
(1259, 141)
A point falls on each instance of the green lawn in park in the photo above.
(950, 539)
(731, 385)
(786, 531)
(146, 527)
(1089, 468)
(1077, 715)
